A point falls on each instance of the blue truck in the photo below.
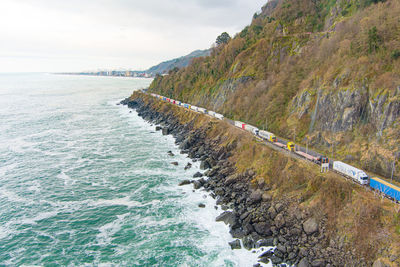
(387, 188)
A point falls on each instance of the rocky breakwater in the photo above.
(253, 216)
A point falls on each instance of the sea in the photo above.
(87, 182)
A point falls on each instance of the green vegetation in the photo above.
(223, 38)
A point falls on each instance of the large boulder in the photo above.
(310, 226)
(197, 175)
(263, 228)
(255, 196)
(228, 217)
(235, 244)
(165, 131)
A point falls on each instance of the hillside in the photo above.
(326, 73)
(166, 66)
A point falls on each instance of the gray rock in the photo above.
(204, 165)
(263, 228)
(379, 263)
(266, 197)
(188, 166)
(279, 207)
(318, 263)
(228, 217)
(268, 242)
(264, 260)
(201, 205)
(275, 259)
(184, 182)
(310, 226)
(235, 244)
(279, 221)
(278, 253)
(175, 163)
(292, 255)
(158, 128)
(267, 254)
(197, 175)
(170, 153)
(248, 242)
(255, 196)
(165, 131)
(303, 263)
(196, 185)
(272, 212)
(281, 248)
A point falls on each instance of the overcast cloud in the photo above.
(75, 35)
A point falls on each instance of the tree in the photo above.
(374, 39)
(223, 38)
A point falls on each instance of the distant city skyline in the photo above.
(66, 36)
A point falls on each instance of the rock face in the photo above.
(343, 110)
(249, 209)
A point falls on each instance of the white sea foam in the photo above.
(109, 229)
(125, 201)
(40, 216)
(12, 196)
(66, 178)
(219, 236)
(7, 168)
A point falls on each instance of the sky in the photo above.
(82, 35)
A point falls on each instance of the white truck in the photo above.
(240, 124)
(202, 110)
(218, 116)
(267, 135)
(350, 171)
(251, 129)
(193, 108)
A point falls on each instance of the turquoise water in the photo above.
(86, 182)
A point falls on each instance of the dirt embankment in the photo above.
(269, 199)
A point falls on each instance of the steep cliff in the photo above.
(322, 72)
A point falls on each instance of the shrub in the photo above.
(395, 54)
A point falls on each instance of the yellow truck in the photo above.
(291, 146)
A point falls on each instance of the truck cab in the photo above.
(290, 146)
(362, 177)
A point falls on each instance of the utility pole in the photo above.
(392, 170)
(294, 135)
(307, 145)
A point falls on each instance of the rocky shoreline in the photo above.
(252, 214)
